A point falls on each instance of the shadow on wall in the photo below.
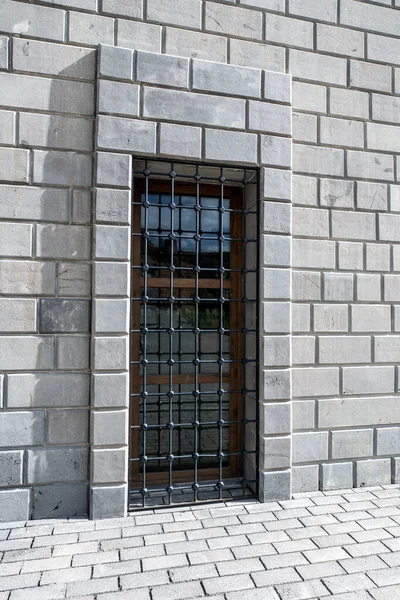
(63, 161)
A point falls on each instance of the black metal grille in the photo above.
(194, 350)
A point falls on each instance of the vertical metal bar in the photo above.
(221, 329)
(196, 340)
(145, 292)
(171, 333)
(246, 314)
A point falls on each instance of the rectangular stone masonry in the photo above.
(128, 135)
(305, 127)
(310, 382)
(53, 465)
(113, 169)
(139, 36)
(42, 390)
(256, 55)
(313, 9)
(111, 353)
(11, 468)
(231, 146)
(382, 137)
(62, 168)
(73, 279)
(16, 239)
(313, 254)
(317, 67)
(63, 316)
(354, 443)
(45, 131)
(310, 447)
(66, 427)
(14, 164)
(17, 316)
(63, 241)
(124, 8)
(368, 287)
(25, 91)
(337, 476)
(112, 242)
(113, 205)
(118, 98)
(111, 279)
(358, 412)
(318, 160)
(19, 277)
(22, 428)
(372, 196)
(388, 440)
(385, 108)
(337, 40)
(32, 20)
(344, 349)
(4, 43)
(383, 49)
(373, 472)
(233, 20)
(289, 32)
(370, 318)
(110, 390)
(349, 103)
(368, 164)
(336, 193)
(304, 190)
(15, 505)
(276, 184)
(352, 225)
(162, 69)
(226, 79)
(180, 140)
(338, 287)
(309, 97)
(387, 348)
(115, 63)
(370, 76)
(377, 257)
(330, 317)
(368, 16)
(109, 465)
(54, 59)
(109, 428)
(276, 151)
(171, 105)
(193, 44)
(90, 29)
(271, 118)
(306, 285)
(111, 316)
(181, 12)
(341, 132)
(7, 127)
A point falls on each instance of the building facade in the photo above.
(199, 251)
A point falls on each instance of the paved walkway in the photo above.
(343, 545)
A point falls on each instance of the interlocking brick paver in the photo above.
(229, 552)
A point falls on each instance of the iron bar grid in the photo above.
(194, 331)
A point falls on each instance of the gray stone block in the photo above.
(27, 353)
(368, 287)
(349, 103)
(18, 316)
(110, 391)
(111, 279)
(14, 505)
(275, 452)
(276, 351)
(312, 9)
(277, 217)
(162, 69)
(277, 251)
(111, 316)
(54, 59)
(180, 140)
(303, 414)
(124, 8)
(110, 353)
(276, 151)
(344, 349)
(230, 80)
(276, 184)
(11, 468)
(90, 29)
(317, 67)
(315, 382)
(62, 168)
(109, 428)
(81, 207)
(63, 316)
(272, 118)
(193, 44)
(60, 501)
(318, 160)
(388, 441)
(385, 108)
(277, 87)
(305, 479)
(67, 427)
(309, 97)
(14, 164)
(63, 241)
(354, 443)
(4, 52)
(109, 465)
(303, 350)
(116, 133)
(112, 242)
(33, 203)
(336, 193)
(338, 287)
(25, 91)
(73, 279)
(310, 446)
(72, 352)
(275, 485)
(277, 385)
(181, 12)
(343, 132)
(57, 465)
(306, 285)
(114, 169)
(276, 317)
(336, 40)
(7, 127)
(231, 146)
(186, 107)
(47, 390)
(277, 418)
(369, 76)
(336, 476)
(233, 20)
(113, 205)
(109, 501)
(281, 29)
(256, 55)
(118, 98)
(116, 63)
(305, 127)
(368, 380)
(139, 36)
(358, 412)
(54, 131)
(34, 21)
(382, 19)
(373, 472)
(23, 428)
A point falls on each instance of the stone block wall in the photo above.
(343, 56)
